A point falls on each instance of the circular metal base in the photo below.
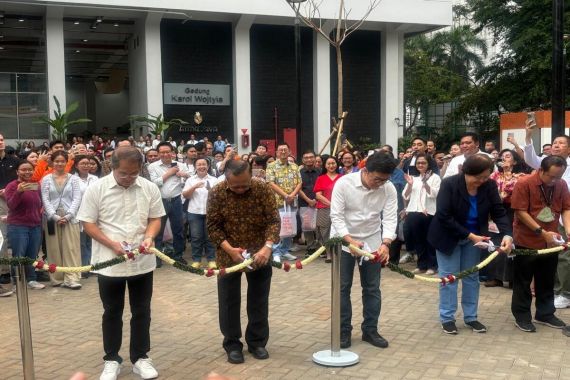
(340, 359)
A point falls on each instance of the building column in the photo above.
(321, 89)
(391, 87)
(55, 59)
(242, 82)
(145, 68)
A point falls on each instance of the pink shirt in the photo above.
(325, 185)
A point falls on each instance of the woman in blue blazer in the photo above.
(464, 204)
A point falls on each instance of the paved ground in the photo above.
(186, 342)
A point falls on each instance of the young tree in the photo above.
(308, 12)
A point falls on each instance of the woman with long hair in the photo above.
(510, 169)
(61, 196)
(323, 193)
(420, 193)
(82, 168)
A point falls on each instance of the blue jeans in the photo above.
(86, 243)
(464, 256)
(174, 213)
(371, 300)
(25, 242)
(199, 239)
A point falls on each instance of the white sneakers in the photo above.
(561, 302)
(35, 285)
(145, 369)
(111, 370)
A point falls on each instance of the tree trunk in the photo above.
(339, 80)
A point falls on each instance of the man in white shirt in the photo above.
(156, 141)
(469, 145)
(123, 207)
(560, 147)
(192, 140)
(364, 208)
(170, 176)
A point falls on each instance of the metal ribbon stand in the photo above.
(24, 319)
(335, 357)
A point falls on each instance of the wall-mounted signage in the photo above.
(197, 94)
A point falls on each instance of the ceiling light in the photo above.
(78, 51)
(84, 40)
(21, 19)
(116, 24)
(99, 19)
(75, 22)
(1, 36)
(1, 47)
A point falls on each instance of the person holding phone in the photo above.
(24, 218)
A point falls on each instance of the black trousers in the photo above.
(229, 300)
(112, 292)
(543, 268)
(416, 236)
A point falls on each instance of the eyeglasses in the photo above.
(127, 176)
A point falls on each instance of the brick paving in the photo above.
(186, 342)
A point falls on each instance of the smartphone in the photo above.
(511, 135)
(531, 117)
(173, 164)
(33, 186)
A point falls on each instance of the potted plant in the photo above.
(157, 125)
(60, 123)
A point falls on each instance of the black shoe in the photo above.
(235, 357)
(551, 321)
(566, 331)
(525, 326)
(375, 339)
(345, 339)
(449, 328)
(477, 326)
(258, 352)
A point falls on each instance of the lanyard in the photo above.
(548, 200)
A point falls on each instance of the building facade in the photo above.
(231, 61)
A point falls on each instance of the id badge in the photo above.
(545, 215)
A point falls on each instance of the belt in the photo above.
(171, 199)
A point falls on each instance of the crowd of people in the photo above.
(82, 202)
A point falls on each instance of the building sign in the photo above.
(197, 94)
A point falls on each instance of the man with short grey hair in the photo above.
(118, 211)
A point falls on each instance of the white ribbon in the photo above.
(246, 255)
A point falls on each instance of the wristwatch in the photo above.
(538, 231)
(269, 246)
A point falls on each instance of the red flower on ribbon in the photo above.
(52, 268)
(130, 255)
(450, 278)
(376, 258)
(40, 264)
(222, 272)
(298, 264)
(209, 272)
(142, 249)
(286, 266)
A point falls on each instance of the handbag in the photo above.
(288, 222)
(308, 218)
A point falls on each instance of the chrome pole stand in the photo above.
(335, 357)
(25, 326)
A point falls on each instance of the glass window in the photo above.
(8, 116)
(31, 82)
(30, 107)
(7, 82)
